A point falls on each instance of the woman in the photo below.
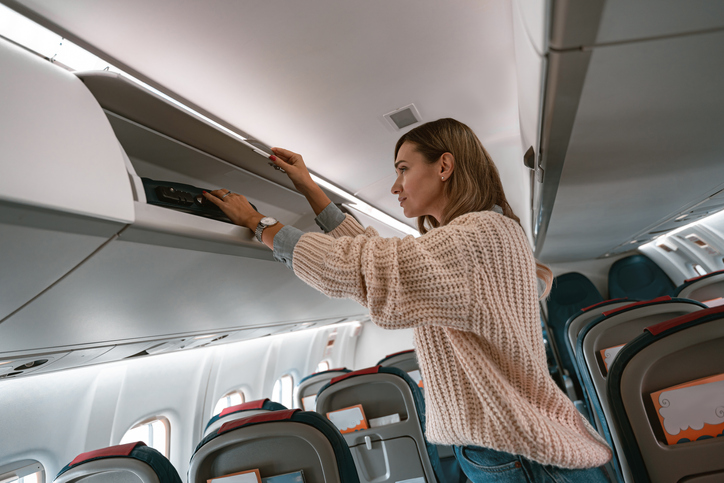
(468, 286)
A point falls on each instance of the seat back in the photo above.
(391, 452)
(638, 277)
(666, 355)
(404, 360)
(708, 289)
(125, 463)
(599, 342)
(306, 393)
(570, 293)
(585, 316)
(241, 411)
(275, 443)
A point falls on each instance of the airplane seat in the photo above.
(241, 411)
(392, 450)
(598, 344)
(310, 385)
(125, 463)
(570, 293)
(638, 277)
(666, 405)
(275, 443)
(574, 325)
(407, 361)
(708, 289)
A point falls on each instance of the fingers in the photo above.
(284, 153)
(214, 198)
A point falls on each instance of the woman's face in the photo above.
(418, 187)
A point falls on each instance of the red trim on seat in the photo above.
(258, 404)
(703, 276)
(604, 302)
(369, 370)
(258, 418)
(665, 298)
(668, 324)
(398, 353)
(118, 450)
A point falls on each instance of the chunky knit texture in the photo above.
(469, 291)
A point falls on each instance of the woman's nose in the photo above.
(395, 188)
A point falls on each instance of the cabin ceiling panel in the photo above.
(645, 144)
(315, 77)
(132, 290)
(624, 20)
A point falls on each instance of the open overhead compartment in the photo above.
(92, 266)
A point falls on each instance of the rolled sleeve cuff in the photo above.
(330, 218)
(284, 242)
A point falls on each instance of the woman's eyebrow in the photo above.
(398, 162)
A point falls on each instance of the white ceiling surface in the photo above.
(647, 136)
(317, 76)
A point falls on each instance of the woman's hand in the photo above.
(294, 165)
(236, 207)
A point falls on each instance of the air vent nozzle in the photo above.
(403, 117)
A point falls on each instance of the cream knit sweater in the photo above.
(469, 291)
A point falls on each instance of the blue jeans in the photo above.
(487, 465)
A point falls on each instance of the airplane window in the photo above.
(322, 366)
(283, 390)
(231, 399)
(27, 471)
(699, 269)
(153, 432)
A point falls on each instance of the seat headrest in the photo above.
(257, 418)
(605, 302)
(109, 452)
(369, 370)
(684, 319)
(665, 298)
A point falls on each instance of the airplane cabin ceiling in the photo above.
(317, 76)
(646, 141)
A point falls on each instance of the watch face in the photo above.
(268, 221)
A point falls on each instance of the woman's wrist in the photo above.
(317, 199)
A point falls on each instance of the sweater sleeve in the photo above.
(404, 283)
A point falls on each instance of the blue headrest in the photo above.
(638, 277)
(570, 293)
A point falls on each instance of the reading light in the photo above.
(55, 48)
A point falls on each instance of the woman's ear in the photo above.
(447, 165)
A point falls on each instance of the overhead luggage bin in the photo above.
(89, 263)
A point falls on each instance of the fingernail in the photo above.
(204, 192)
(273, 158)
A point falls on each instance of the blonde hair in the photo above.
(475, 183)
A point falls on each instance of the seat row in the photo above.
(642, 368)
(268, 437)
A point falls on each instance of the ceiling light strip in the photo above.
(55, 48)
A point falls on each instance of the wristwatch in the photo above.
(263, 223)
